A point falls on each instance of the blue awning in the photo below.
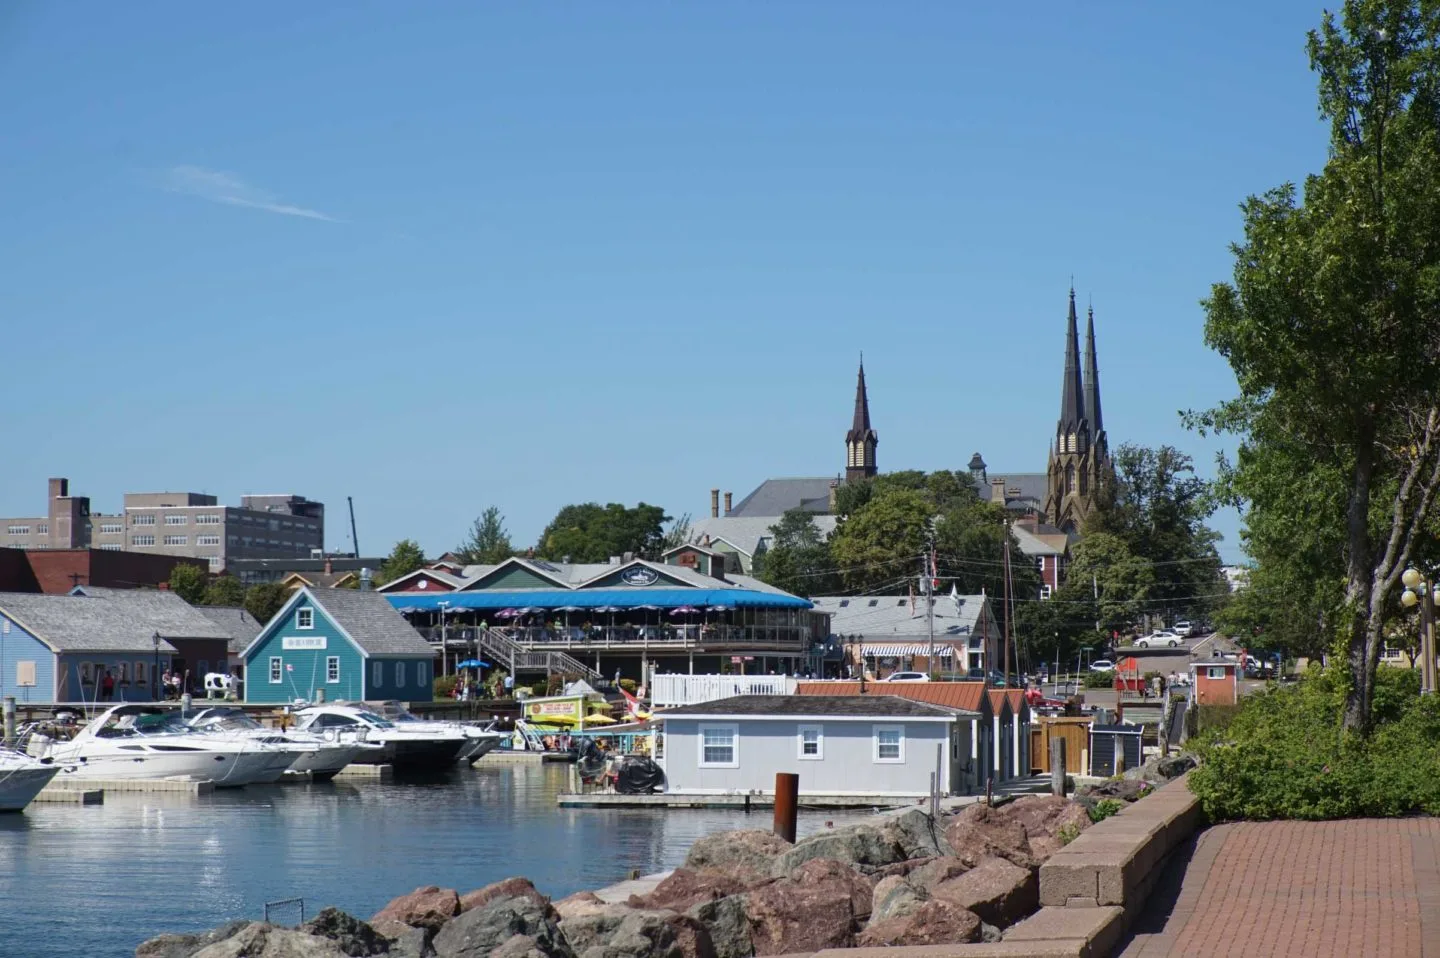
(596, 598)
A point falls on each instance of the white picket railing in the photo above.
(669, 691)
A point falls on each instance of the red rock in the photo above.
(998, 891)
(820, 905)
(820, 871)
(746, 854)
(935, 871)
(685, 888)
(428, 907)
(506, 888)
(935, 922)
(580, 903)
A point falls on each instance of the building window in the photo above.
(332, 668)
(719, 746)
(377, 674)
(305, 618)
(123, 677)
(111, 546)
(142, 520)
(25, 673)
(812, 743)
(43, 529)
(140, 673)
(420, 674)
(176, 520)
(142, 540)
(1045, 592)
(207, 520)
(889, 743)
(207, 540)
(177, 540)
(111, 529)
(399, 673)
(215, 561)
(1215, 672)
(18, 530)
(274, 670)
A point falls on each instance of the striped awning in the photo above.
(913, 648)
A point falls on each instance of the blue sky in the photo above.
(446, 255)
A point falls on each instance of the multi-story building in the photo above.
(183, 524)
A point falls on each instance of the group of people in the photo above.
(172, 685)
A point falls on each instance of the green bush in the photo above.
(1104, 808)
(1099, 680)
(629, 685)
(1284, 754)
(444, 686)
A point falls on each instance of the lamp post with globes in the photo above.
(155, 667)
(1418, 591)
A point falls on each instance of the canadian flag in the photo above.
(632, 704)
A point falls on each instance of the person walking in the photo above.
(107, 686)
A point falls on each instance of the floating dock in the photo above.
(70, 796)
(742, 802)
(508, 757)
(365, 773)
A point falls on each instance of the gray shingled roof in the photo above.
(775, 497)
(166, 612)
(745, 533)
(860, 706)
(239, 625)
(371, 621)
(880, 617)
(1031, 485)
(83, 623)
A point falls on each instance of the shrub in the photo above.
(1104, 808)
(1099, 680)
(1068, 833)
(629, 685)
(444, 686)
(1284, 754)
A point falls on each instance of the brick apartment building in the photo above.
(180, 524)
(57, 571)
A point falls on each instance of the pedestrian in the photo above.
(509, 686)
(617, 676)
(107, 686)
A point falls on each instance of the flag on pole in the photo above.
(289, 667)
(955, 596)
(934, 572)
(912, 598)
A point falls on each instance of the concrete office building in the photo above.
(182, 524)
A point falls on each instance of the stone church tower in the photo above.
(861, 440)
(1080, 457)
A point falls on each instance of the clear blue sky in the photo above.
(443, 255)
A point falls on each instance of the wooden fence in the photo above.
(1075, 732)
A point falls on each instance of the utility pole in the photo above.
(928, 590)
(1005, 598)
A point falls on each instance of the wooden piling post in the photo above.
(787, 799)
(1057, 766)
(9, 720)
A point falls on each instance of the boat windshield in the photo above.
(169, 723)
(375, 719)
(229, 720)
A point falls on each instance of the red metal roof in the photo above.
(956, 695)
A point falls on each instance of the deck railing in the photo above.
(669, 691)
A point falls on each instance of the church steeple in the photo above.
(1092, 383)
(861, 440)
(1070, 429)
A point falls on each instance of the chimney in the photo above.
(364, 580)
(59, 488)
(728, 496)
(997, 491)
(834, 489)
(329, 567)
(629, 557)
(714, 503)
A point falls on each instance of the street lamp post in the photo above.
(444, 607)
(1417, 590)
(155, 667)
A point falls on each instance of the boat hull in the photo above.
(415, 753)
(222, 768)
(19, 786)
(326, 762)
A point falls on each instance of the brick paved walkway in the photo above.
(1364, 888)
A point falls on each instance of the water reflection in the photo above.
(97, 880)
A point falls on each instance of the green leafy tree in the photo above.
(798, 560)
(405, 558)
(677, 535)
(264, 599)
(1329, 323)
(225, 590)
(590, 532)
(881, 543)
(488, 542)
(1119, 582)
(187, 580)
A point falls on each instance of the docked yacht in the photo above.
(412, 745)
(323, 755)
(136, 741)
(21, 778)
(478, 739)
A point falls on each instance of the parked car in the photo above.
(907, 677)
(1184, 628)
(1161, 638)
(1102, 665)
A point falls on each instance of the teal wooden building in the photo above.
(351, 646)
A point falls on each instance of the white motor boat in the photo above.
(21, 778)
(118, 745)
(407, 745)
(478, 739)
(324, 756)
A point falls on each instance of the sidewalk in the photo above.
(1357, 888)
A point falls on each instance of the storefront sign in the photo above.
(639, 576)
(571, 708)
(302, 642)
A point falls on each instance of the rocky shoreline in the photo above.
(898, 879)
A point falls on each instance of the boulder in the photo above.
(893, 897)
(404, 941)
(184, 946)
(935, 871)
(507, 888)
(479, 931)
(355, 937)
(580, 903)
(746, 854)
(998, 891)
(593, 926)
(1046, 818)
(259, 940)
(428, 907)
(1162, 770)
(990, 934)
(974, 841)
(728, 924)
(935, 922)
(917, 835)
(908, 867)
(659, 934)
(521, 946)
(685, 887)
(819, 905)
(826, 871)
(1123, 789)
(862, 845)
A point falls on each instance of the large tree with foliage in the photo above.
(488, 542)
(264, 599)
(798, 557)
(405, 558)
(225, 590)
(1332, 322)
(187, 580)
(879, 545)
(590, 532)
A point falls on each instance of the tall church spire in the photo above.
(1072, 395)
(861, 440)
(1092, 381)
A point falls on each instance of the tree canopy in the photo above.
(488, 542)
(590, 532)
(798, 558)
(225, 590)
(187, 580)
(405, 558)
(264, 599)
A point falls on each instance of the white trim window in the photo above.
(889, 744)
(810, 743)
(275, 670)
(332, 669)
(304, 618)
(174, 520)
(1215, 672)
(145, 520)
(176, 540)
(420, 674)
(399, 673)
(377, 673)
(719, 746)
(142, 540)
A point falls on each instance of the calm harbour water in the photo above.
(96, 881)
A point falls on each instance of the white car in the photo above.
(1102, 665)
(1161, 638)
(907, 677)
(1184, 628)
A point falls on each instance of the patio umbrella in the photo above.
(408, 610)
(612, 609)
(507, 613)
(472, 664)
(684, 610)
(597, 718)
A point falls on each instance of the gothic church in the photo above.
(1080, 464)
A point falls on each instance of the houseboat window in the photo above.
(25, 674)
(124, 677)
(202, 667)
(274, 670)
(399, 673)
(889, 743)
(719, 747)
(1215, 672)
(332, 668)
(139, 673)
(812, 741)
(85, 677)
(420, 674)
(377, 673)
(305, 619)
